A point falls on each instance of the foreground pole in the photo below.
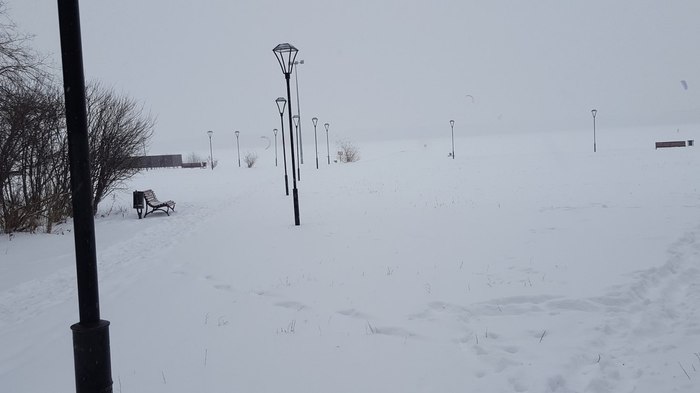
(91, 352)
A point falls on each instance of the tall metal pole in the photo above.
(594, 112)
(296, 82)
(238, 147)
(274, 131)
(91, 349)
(296, 126)
(284, 154)
(315, 120)
(328, 146)
(211, 152)
(295, 192)
(452, 126)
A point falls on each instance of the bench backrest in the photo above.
(670, 144)
(150, 196)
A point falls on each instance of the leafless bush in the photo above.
(18, 60)
(34, 181)
(250, 159)
(118, 129)
(347, 151)
(34, 168)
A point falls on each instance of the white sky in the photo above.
(379, 68)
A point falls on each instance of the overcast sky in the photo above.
(380, 68)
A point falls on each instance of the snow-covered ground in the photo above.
(526, 264)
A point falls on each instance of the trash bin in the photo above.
(690, 142)
(138, 202)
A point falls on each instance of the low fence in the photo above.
(161, 161)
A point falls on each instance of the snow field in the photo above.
(526, 264)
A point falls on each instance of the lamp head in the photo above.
(326, 125)
(296, 120)
(210, 133)
(236, 132)
(274, 131)
(594, 112)
(315, 120)
(281, 104)
(452, 123)
(286, 55)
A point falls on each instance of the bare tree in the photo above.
(33, 173)
(347, 151)
(118, 129)
(34, 168)
(17, 59)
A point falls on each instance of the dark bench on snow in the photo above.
(670, 144)
(151, 201)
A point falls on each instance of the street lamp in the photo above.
(328, 146)
(296, 127)
(594, 112)
(274, 131)
(91, 348)
(296, 81)
(286, 55)
(238, 147)
(452, 125)
(315, 120)
(211, 152)
(281, 103)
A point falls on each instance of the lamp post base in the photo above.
(93, 367)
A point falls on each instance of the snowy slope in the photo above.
(526, 264)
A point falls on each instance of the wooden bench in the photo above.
(670, 144)
(153, 202)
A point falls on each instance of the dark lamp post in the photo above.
(286, 54)
(296, 127)
(274, 131)
(281, 104)
(315, 121)
(452, 125)
(594, 112)
(328, 146)
(238, 147)
(211, 152)
(91, 348)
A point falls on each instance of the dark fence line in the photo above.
(161, 161)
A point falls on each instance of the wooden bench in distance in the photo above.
(153, 202)
(670, 144)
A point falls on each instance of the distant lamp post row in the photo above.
(328, 146)
(298, 115)
(281, 104)
(211, 151)
(452, 125)
(594, 112)
(315, 121)
(274, 131)
(296, 127)
(286, 55)
(238, 147)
